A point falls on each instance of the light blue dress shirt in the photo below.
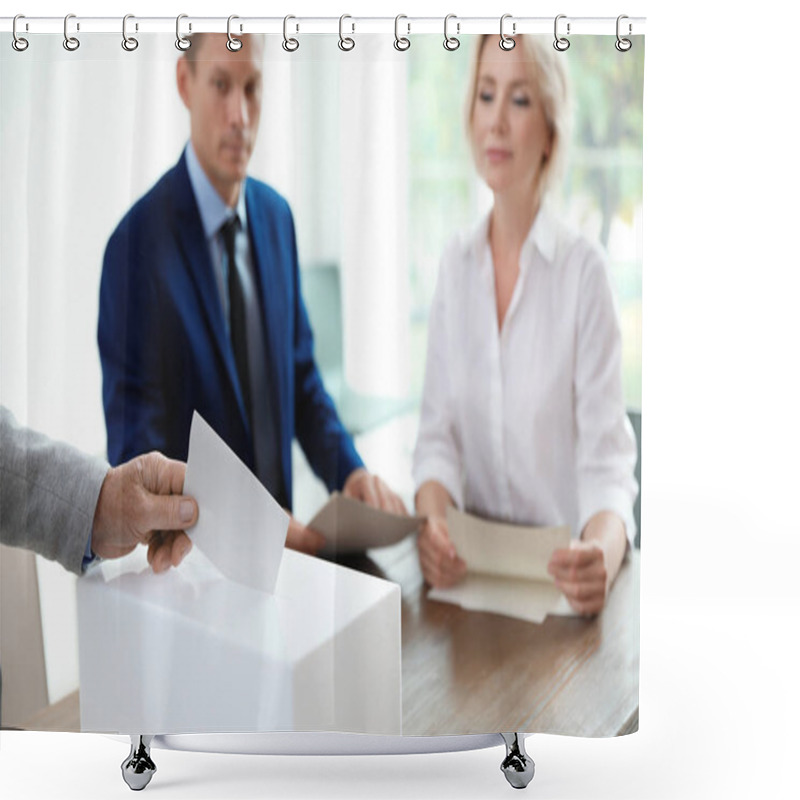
(214, 214)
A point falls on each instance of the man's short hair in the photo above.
(192, 53)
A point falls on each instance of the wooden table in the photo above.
(472, 672)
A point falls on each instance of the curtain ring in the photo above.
(289, 44)
(345, 42)
(506, 42)
(181, 42)
(561, 43)
(129, 43)
(233, 44)
(451, 42)
(18, 42)
(70, 42)
(401, 43)
(623, 45)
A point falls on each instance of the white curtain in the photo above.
(373, 125)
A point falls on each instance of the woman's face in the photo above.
(510, 135)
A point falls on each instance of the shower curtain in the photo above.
(382, 185)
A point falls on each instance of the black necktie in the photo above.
(238, 315)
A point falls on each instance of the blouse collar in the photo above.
(541, 236)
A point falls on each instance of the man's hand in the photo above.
(370, 489)
(580, 573)
(304, 539)
(141, 502)
(441, 565)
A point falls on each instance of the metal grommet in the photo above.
(181, 42)
(506, 42)
(70, 43)
(233, 44)
(345, 42)
(561, 43)
(129, 43)
(623, 45)
(289, 44)
(401, 43)
(451, 42)
(18, 42)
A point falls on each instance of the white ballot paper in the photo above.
(241, 528)
(349, 525)
(506, 568)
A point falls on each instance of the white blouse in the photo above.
(527, 424)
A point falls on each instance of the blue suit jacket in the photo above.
(164, 346)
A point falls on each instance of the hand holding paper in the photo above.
(580, 573)
(506, 567)
(441, 565)
(142, 501)
(303, 538)
(241, 528)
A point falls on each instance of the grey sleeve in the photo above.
(48, 494)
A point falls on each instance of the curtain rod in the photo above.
(299, 25)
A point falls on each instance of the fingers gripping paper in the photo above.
(506, 568)
(496, 548)
(241, 527)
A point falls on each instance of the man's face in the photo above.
(222, 91)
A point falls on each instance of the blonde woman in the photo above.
(523, 417)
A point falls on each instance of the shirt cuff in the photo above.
(610, 498)
(442, 471)
(88, 555)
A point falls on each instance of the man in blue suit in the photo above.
(200, 304)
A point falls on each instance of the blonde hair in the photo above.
(547, 71)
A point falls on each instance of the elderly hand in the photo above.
(441, 565)
(580, 573)
(302, 538)
(370, 489)
(141, 502)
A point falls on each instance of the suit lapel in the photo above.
(188, 229)
(264, 253)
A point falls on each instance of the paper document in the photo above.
(506, 567)
(349, 525)
(241, 527)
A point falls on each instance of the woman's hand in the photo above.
(586, 570)
(441, 565)
(580, 573)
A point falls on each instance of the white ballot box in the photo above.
(190, 651)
